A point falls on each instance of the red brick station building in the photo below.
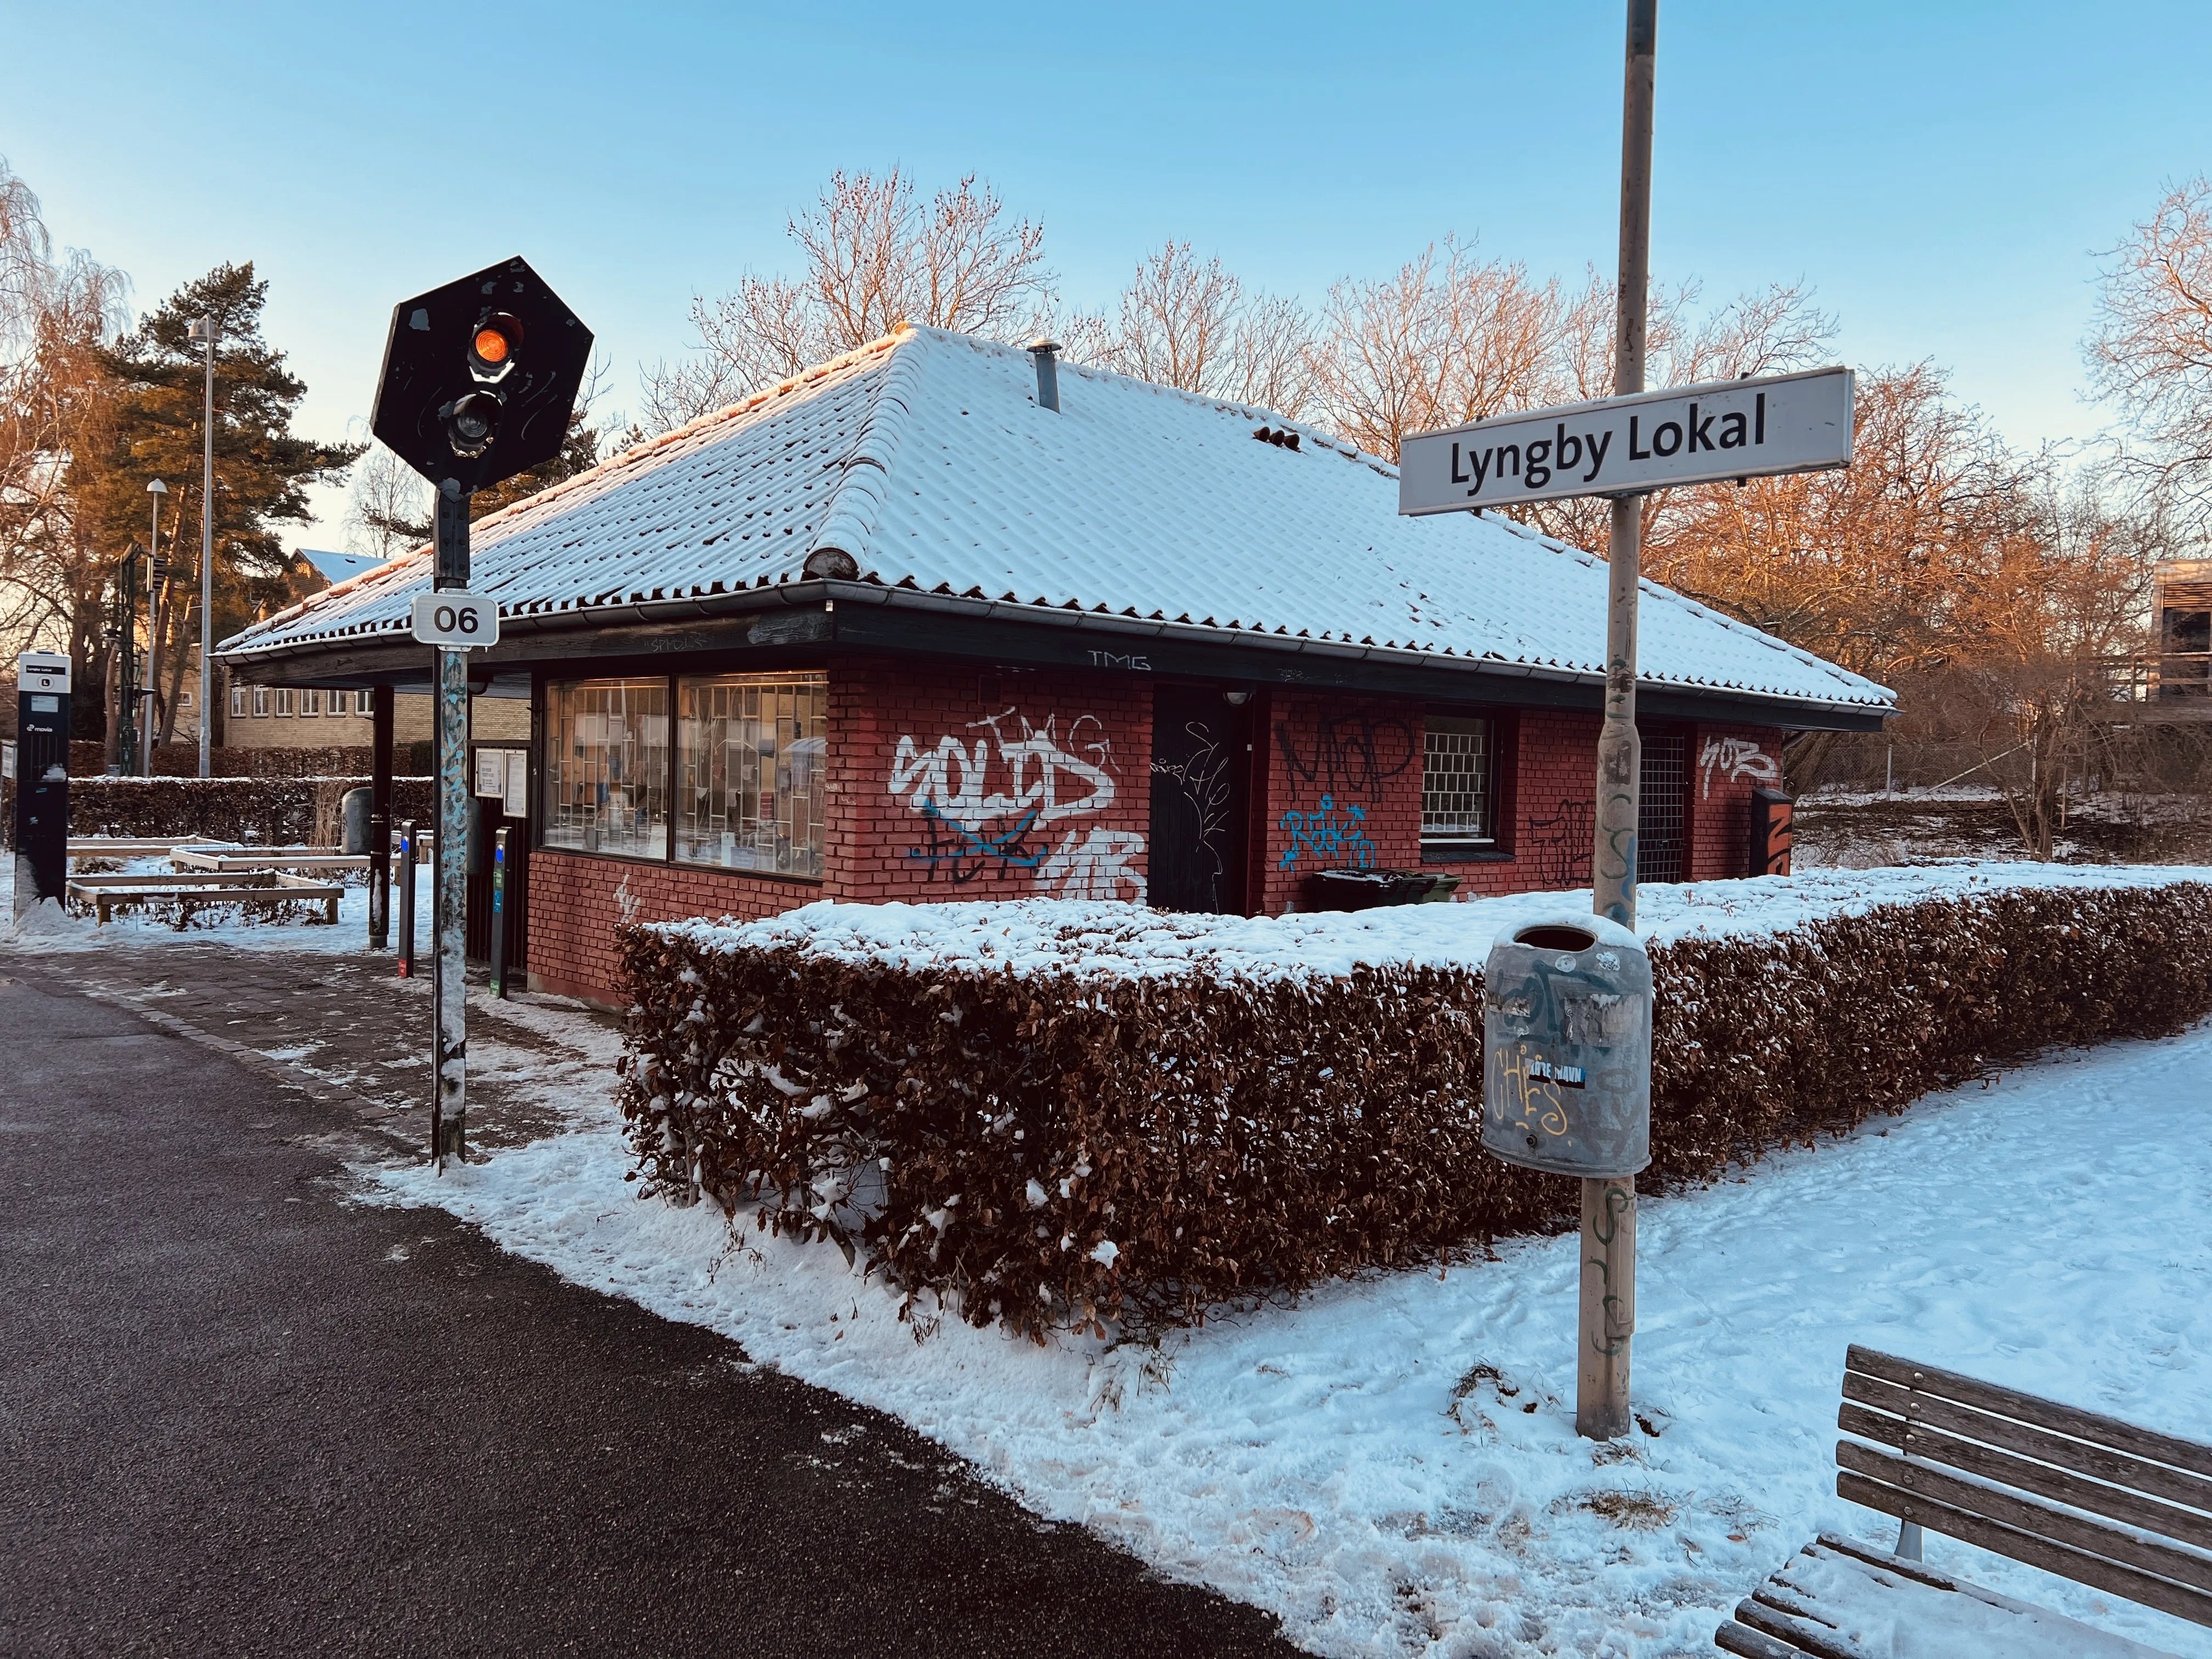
(945, 619)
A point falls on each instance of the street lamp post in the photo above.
(156, 489)
(203, 335)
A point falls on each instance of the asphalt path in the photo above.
(242, 1413)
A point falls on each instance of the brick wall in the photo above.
(952, 782)
(1343, 787)
(575, 902)
(955, 782)
(1727, 763)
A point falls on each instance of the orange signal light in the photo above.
(491, 345)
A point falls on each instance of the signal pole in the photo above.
(1608, 1315)
(449, 1112)
(479, 381)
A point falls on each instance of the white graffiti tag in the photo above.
(1738, 757)
(1037, 771)
(985, 801)
(1094, 866)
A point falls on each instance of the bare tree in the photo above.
(389, 510)
(58, 311)
(1189, 323)
(876, 257)
(1450, 338)
(2152, 352)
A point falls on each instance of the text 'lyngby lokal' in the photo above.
(1565, 451)
(1777, 424)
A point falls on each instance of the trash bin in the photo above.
(1566, 1029)
(1364, 890)
(354, 809)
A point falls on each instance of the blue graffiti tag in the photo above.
(1327, 835)
(963, 854)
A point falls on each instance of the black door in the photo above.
(1198, 801)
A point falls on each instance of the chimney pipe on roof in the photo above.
(1048, 368)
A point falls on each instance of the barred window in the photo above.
(606, 767)
(750, 752)
(1456, 777)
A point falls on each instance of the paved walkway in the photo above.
(242, 1415)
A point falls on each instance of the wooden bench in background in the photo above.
(2123, 1510)
(192, 893)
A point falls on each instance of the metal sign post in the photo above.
(1623, 447)
(479, 380)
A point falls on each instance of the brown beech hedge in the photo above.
(1053, 1150)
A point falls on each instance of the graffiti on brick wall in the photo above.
(1344, 756)
(1331, 835)
(990, 804)
(1737, 757)
(1349, 756)
(1559, 846)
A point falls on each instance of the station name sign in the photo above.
(1629, 446)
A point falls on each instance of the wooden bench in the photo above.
(229, 859)
(193, 892)
(2121, 1508)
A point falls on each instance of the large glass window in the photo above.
(1456, 781)
(750, 753)
(606, 767)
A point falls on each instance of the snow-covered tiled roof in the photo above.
(924, 458)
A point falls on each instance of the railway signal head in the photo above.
(480, 377)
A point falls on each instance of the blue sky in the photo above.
(1943, 175)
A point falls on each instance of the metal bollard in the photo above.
(499, 914)
(407, 899)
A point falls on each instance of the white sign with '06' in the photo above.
(1628, 446)
(455, 619)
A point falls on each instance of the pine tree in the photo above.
(262, 468)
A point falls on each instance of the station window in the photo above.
(606, 767)
(311, 702)
(750, 767)
(237, 702)
(261, 700)
(1458, 782)
(288, 700)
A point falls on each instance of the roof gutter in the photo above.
(814, 593)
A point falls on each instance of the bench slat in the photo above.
(2116, 1502)
(2119, 1468)
(2030, 1515)
(2099, 1430)
(1749, 1643)
(1801, 1634)
(2098, 1572)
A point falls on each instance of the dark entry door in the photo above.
(1197, 850)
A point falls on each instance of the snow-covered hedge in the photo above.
(1056, 1113)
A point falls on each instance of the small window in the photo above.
(750, 772)
(1458, 799)
(238, 703)
(311, 702)
(261, 702)
(185, 700)
(364, 702)
(606, 767)
(288, 700)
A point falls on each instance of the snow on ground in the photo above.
(1043, 935)
(240, 927)
(1392, 1466)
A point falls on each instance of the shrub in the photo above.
(269, 811)
(1064, 1148)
